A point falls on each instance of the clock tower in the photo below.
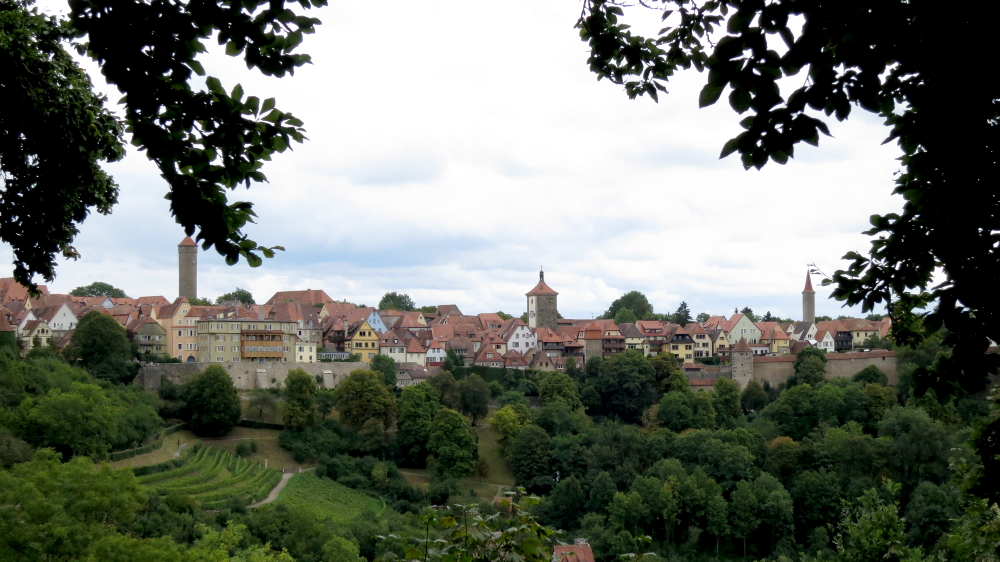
(542, 305)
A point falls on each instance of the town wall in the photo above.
(776, 370)
(246, 376)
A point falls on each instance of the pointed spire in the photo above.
(809, 285)
(541, 274)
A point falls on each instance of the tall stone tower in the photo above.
(741, 360)
(542, 305)
(808, 301)
(187, 267)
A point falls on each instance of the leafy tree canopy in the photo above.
(892, 60)
(363, 396)
(213, 402)
(204, 142)
(632, 300)
(452, 444)
(99, 289)
(300, 400)
(242, 295)
(386, 367)
(682, 315)
(396, 301)
(100, 345)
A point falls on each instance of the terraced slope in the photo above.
(211, 476)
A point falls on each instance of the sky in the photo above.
(457, 147)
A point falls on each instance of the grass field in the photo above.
(327, 499)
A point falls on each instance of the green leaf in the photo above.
(730, 147)
(237, 93)
(709, 95)
(268, 105)
(232, 49)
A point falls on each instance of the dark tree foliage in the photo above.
(753, 398)
(300, 400)
(204, 142)
(54, 131)
(682, 315)
(625, 383)
(530, 459)
(99, 289)
(100, 345)
(893, 59)
(474, 397)
(385, 366)
(396, 301)
(213, 402)
(242, 295)
(871, 373)
(632, 300)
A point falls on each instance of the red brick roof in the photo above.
(809, 284)
(187, 242)
(541, 289)
(742, 346)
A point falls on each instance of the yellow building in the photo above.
(224, 340)
(358, 338)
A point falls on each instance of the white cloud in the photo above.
(455, 147)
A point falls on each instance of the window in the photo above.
(236, 349)
(159, 338)
(673, 347)
(219, 359)
(220, 348)
(191, 333)
(268, 327)
(180, 321)
(300, 350)
(219, 337)
(192, 346)
(370, 355)
(180, 333)
(178, 347)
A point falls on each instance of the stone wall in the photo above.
(246, 376)
(776, 370)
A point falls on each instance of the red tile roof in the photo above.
(187, 242)
(541, 289)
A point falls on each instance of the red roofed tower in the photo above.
(187, 256)
(542, 305)
(808, 301)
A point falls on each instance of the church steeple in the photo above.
(541, 274)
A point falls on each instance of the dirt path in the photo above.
(277, 490)
(180, 450)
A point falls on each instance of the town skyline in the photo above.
(459, 188)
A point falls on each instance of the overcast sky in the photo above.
(455, 147)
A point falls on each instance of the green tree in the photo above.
(929, 514)
(566, 504)
(452, 444)
(743, 518)
(559, 387)
(702, 317)
(213, 402)
(204, 142)
(727, 403)
(675, 411)
(99, 289)
(339, 549)
(262, 399)
(396, 301)
(872, 530)
(361, 396)
(625, 383)
(100, 345)
(811, 370)
(300, 400)
(474, 397)
(507, 423)
(418, 405)
(452, 360)
(447, 389)
(81, 421)
(899, 75)
(632, 300)
(871, 374)
(58, 511)
(602, 491)
(573, 370)
(326, 399)
(916, 447)
(624, 316)
(242, 295)
(530, 458)
(682, 315)
(386, 366)
(748, 312)
(753, 398)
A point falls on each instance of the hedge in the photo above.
(260, 425)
